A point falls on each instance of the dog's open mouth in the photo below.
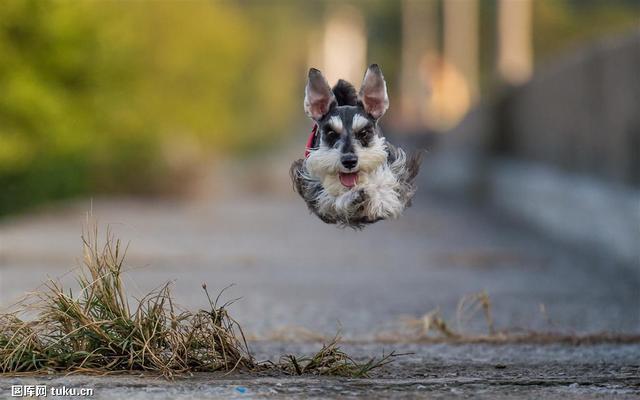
(348, 179)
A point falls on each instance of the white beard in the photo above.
(380, 191)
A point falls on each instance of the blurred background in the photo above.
(173, 113)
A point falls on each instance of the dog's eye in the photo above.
(331, 136)
(364, 133)
(364, 136)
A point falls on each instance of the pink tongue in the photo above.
(349, 180)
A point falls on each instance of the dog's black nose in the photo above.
(349, 161)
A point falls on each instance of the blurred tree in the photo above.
(133, 96)
(92, 91)
(557, 24)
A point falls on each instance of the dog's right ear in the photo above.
(318, 96)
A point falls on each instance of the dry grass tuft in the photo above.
(432, 327)
(96, 331)
(331, 360)
(470, 305)
(432, 324)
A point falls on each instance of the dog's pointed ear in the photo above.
(373, 92)
(318, 96)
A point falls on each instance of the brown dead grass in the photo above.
(96, 331)
(432, 327)
(332, 360)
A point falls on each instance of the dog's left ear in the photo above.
(373, 92)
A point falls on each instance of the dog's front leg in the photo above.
(382, 202)
(350, 203)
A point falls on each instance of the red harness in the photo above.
(312, 138)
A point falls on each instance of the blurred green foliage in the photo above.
(123, 96)
(132, 97)
(559, 25)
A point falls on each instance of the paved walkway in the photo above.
(290, 270)
(431, 372)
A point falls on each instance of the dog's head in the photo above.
(350, 142)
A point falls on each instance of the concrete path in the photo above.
(431, 372)
(295, 274)
(292, 270)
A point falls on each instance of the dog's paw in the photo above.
(359, 200)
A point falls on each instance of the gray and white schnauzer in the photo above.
(351, 176)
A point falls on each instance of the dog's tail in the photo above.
(345, 93)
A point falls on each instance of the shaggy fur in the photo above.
(348, 127)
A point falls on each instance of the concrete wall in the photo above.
(581, 113)
(561, 153)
